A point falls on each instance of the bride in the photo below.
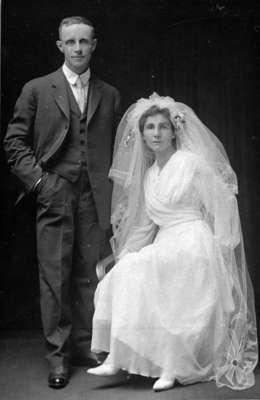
(178, 304)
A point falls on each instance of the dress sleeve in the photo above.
(140, 236)
(219, 205)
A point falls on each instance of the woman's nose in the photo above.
(156, 132)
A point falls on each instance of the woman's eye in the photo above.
(165, 126)
(149, 126)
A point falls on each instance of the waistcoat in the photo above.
(73, 157)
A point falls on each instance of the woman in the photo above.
(178, 304)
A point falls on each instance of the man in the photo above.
(59, 144)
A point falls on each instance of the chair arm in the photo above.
(102, 266)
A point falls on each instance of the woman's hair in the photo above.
(154, 110)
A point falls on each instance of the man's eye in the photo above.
(84, 41)
(70, 42)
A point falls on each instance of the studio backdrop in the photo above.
(205, 56)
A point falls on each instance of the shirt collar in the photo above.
(72, 76)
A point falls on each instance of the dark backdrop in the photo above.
(202, 53)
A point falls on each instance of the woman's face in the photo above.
(158, 134)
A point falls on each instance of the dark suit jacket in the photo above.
(38, 129)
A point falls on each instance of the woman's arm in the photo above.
(140, 236)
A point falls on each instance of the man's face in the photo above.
(77, 44)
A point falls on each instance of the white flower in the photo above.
(240, 361)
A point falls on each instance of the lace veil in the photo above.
(237, 353)
(132, 158)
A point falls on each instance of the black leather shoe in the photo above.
(58, 377)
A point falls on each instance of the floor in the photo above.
(23, 374)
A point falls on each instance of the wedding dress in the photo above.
(166, 306)
(179, 302)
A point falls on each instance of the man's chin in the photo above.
(79, 67)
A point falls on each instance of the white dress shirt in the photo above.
(72, 78)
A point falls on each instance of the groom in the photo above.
(59, 144)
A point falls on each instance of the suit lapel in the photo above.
(72, 101)
(61, 96)
(95, 91)
(60, 92)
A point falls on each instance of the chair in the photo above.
(104, 265)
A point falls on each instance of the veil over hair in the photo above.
(238, 353)
(132, 158)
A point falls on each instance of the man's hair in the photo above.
(75, 20)
(154, 110)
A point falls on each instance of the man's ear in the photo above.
(59, 45)
(94, 44)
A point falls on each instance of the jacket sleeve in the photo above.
(19, 138)
(118, 110)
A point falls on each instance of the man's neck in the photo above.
(77, 72)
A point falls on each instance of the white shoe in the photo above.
(103, 370)
(163, 384)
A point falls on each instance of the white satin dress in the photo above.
(163, 309)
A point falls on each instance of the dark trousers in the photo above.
(69, 244)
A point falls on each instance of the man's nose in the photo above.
(77, 47)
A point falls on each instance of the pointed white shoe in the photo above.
(163, 384)
(103, 370)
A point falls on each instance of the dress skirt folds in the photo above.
(165, 309)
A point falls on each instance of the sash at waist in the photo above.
(180, 216)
